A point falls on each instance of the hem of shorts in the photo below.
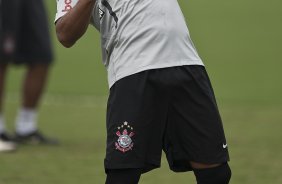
(146, 167)
(126, 73)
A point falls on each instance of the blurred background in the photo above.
(241, 44)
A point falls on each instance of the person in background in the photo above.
(24, 41)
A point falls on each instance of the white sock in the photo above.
(26, 121)
(2, 124)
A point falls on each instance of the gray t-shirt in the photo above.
(138, 35)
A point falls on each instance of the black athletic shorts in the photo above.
(171, 109)
(24, 32)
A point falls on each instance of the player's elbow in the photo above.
(66, 43)
(65, 40)
(63, 36)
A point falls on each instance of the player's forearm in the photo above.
(74, 24)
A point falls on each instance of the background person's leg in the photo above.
(3, 70)
(26, 122)
(33, 85)
(5, 140)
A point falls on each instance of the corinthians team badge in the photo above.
(124, 133)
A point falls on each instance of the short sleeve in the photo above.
(95, 17)
(63, 6)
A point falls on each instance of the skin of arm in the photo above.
(74, 24)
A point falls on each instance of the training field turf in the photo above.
(241, 44)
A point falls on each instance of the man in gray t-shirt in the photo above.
(160, 94)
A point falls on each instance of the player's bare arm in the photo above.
(74, 24)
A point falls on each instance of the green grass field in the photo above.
(241, 44)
